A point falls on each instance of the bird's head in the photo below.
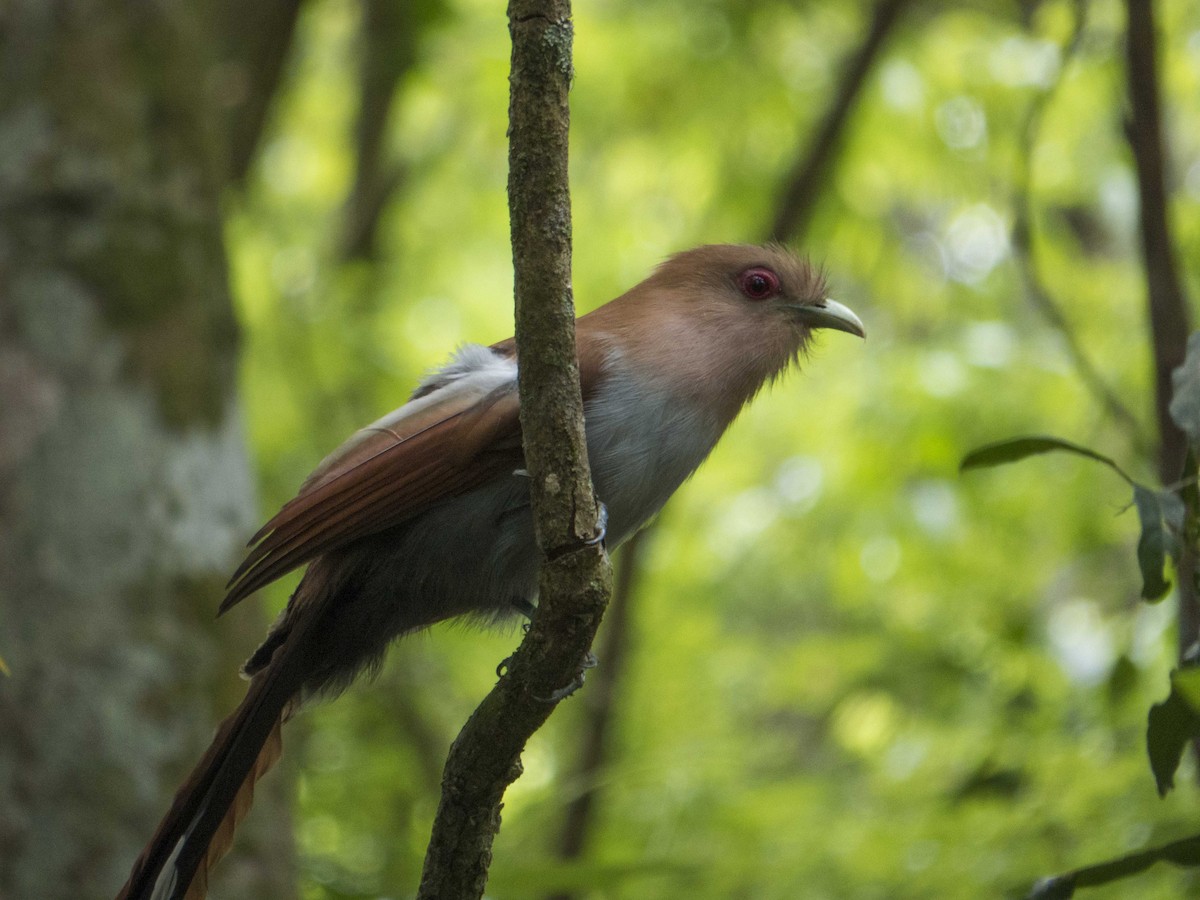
(769, 288)
(726, 317)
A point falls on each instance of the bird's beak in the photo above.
(830, 314)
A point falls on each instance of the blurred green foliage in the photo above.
(854, 673)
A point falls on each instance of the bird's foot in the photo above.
(575, 544)
(601, 527)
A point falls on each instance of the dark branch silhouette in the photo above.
(388, 40)
(808, 176)
(256, 39)
(1170, 322)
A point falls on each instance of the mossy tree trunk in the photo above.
(125, 491)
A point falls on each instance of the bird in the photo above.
(424, 515)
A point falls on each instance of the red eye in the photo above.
(759, 283)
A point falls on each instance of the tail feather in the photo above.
(199, 826)
(222, 838)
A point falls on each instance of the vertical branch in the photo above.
(574, 582)
(1169, 319)
(804, 182)
(540, 221)
(1168, 311)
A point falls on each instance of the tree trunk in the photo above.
(125, 492)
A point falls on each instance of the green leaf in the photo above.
(1185, 402)
(1153, 542)
(1170, 726)
(1015, 449)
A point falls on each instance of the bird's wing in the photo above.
(460, 430)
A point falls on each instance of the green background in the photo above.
(852, 672)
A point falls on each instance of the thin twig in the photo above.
(805, 182)
(575, 580)
(388, 40)
(1024, 254)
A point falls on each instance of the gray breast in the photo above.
(642, 446)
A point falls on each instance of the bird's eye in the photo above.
(759, 283)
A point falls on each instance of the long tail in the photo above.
(198, 828)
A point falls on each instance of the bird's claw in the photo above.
(601, 525)
(589, 662)
(524, 607)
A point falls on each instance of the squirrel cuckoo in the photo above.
(424, 515)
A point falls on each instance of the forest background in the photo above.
(837, 667)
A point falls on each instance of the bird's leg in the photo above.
(524, 607)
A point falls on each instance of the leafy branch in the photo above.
(1170, 527)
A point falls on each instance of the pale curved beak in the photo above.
(830, 314)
